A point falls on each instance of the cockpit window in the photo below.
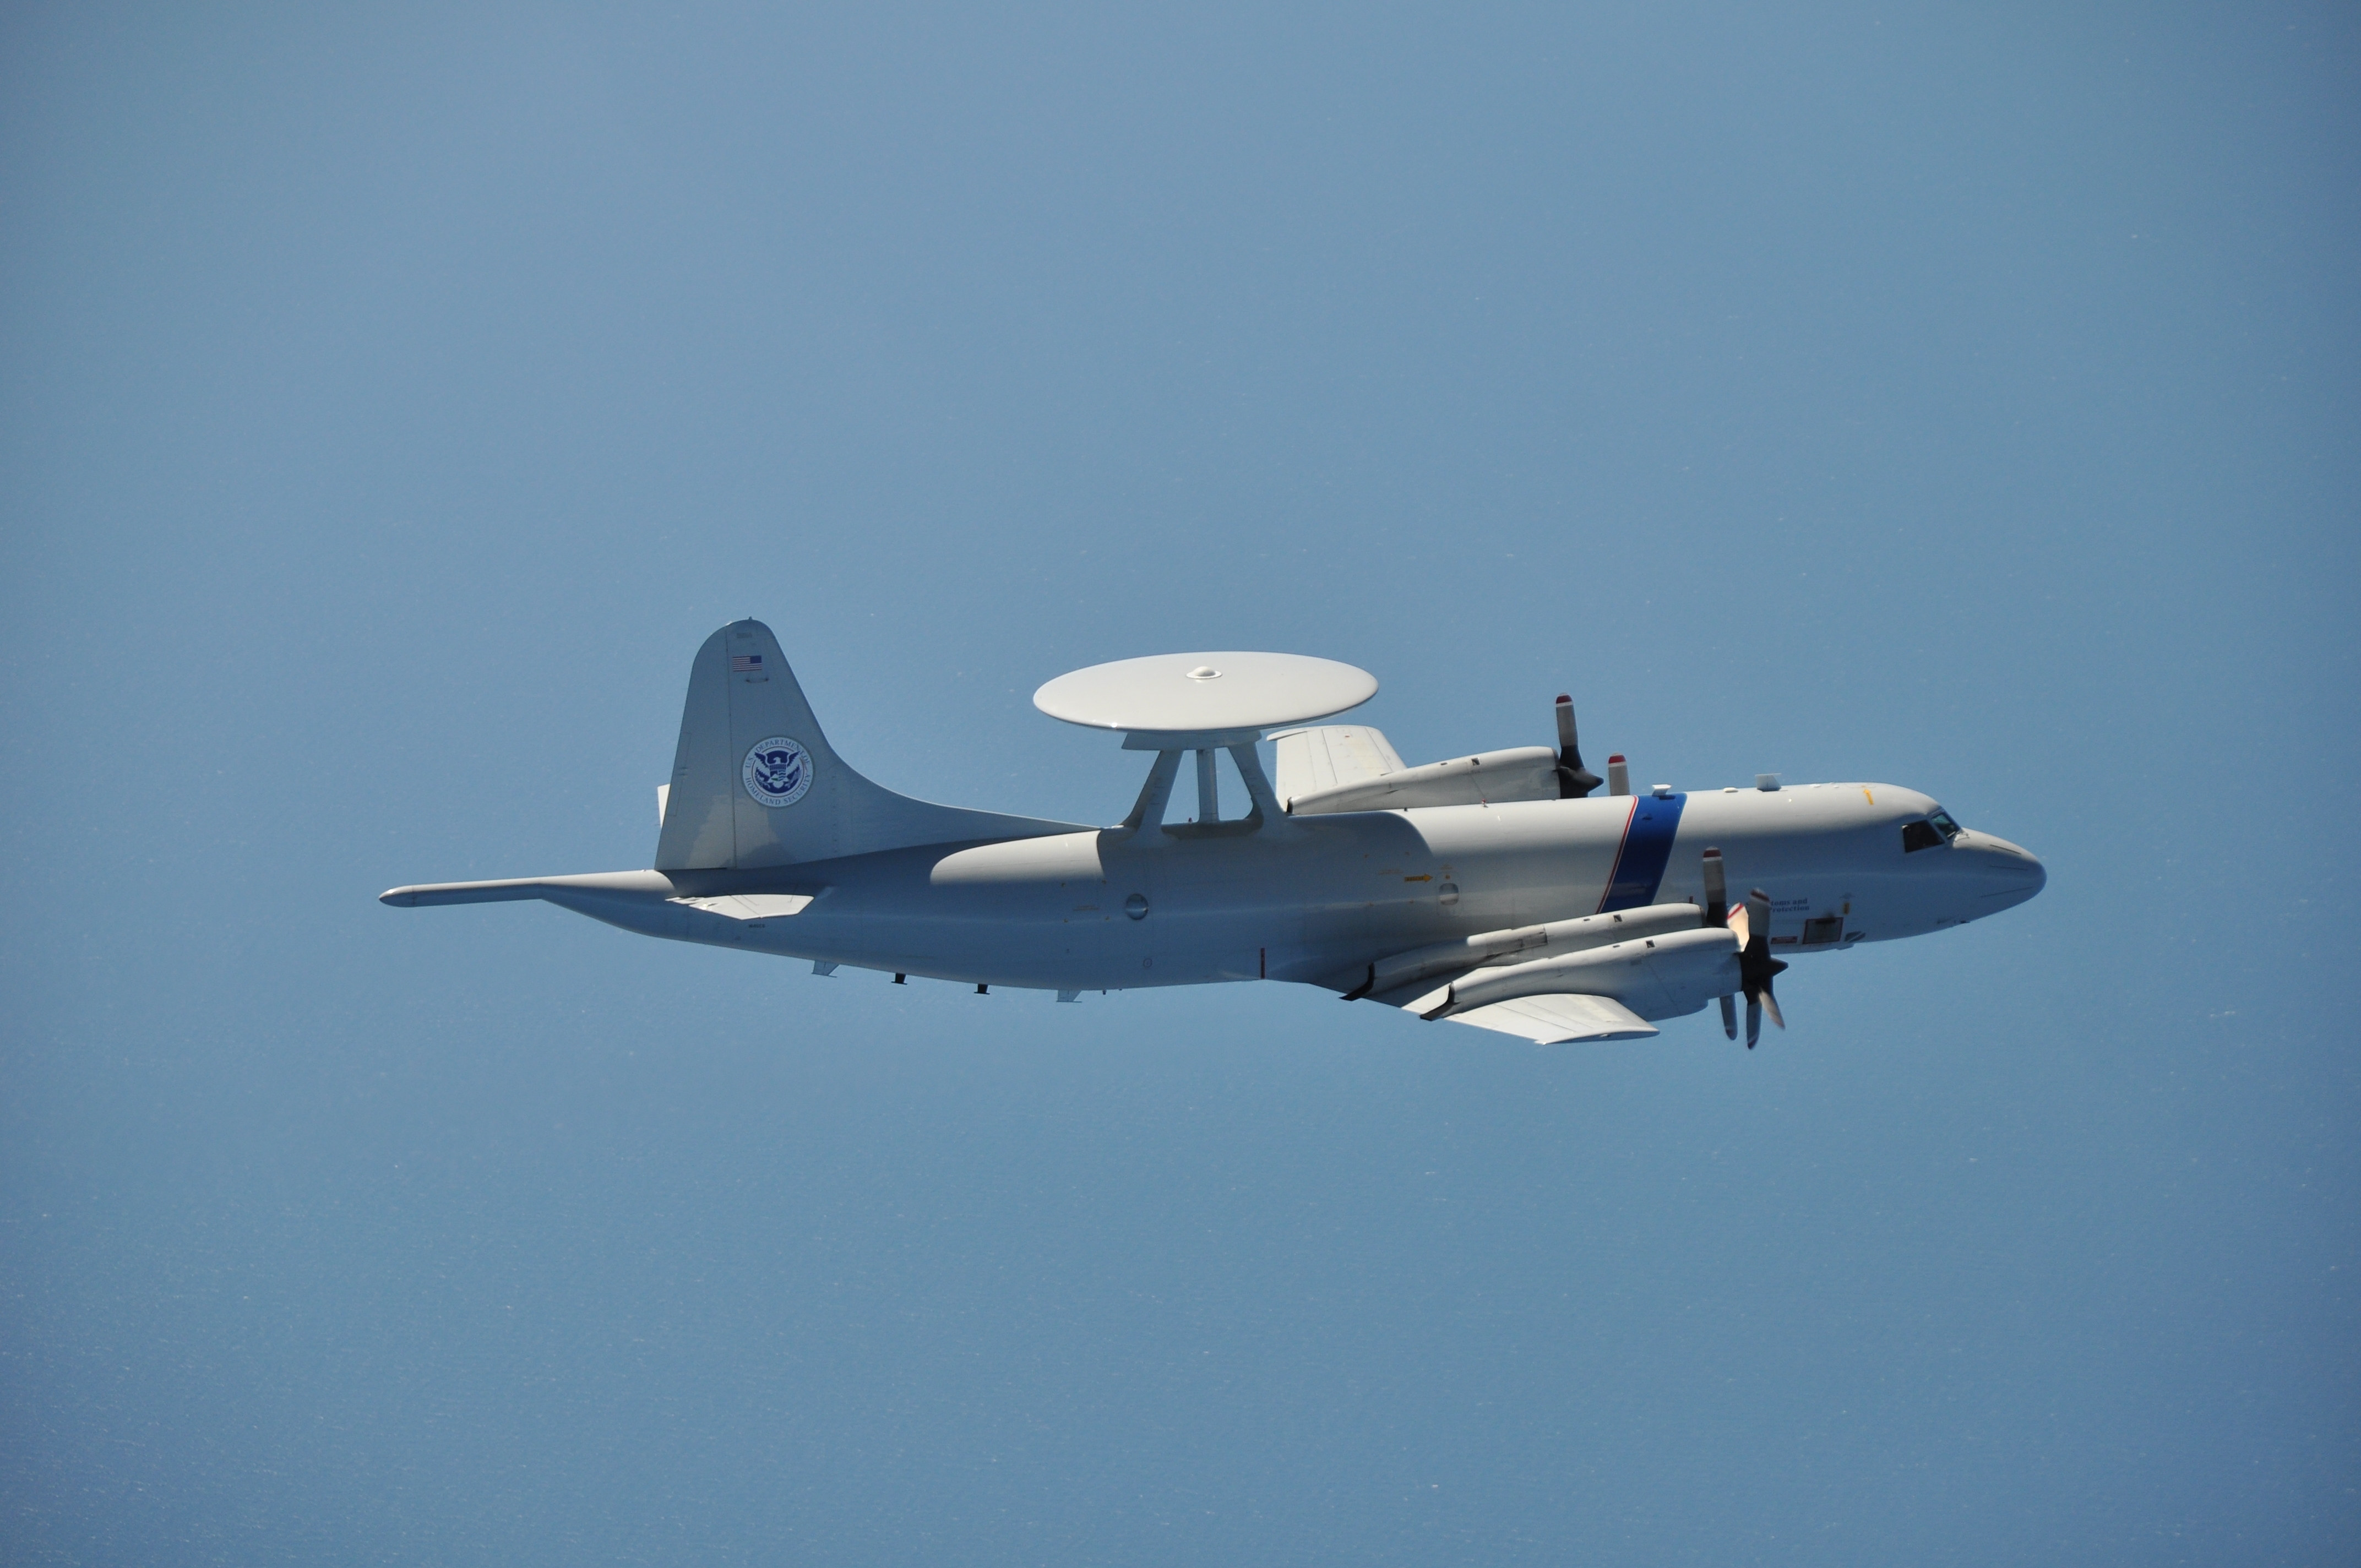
(1937, 829)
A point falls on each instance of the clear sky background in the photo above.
(394, 396)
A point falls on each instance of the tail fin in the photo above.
(755, 782)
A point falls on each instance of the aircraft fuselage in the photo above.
(1315, 899)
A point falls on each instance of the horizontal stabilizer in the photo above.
(1560, 1019)
(751, 906)
(595, 884)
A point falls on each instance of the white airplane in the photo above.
(1496, 890)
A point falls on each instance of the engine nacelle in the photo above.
(1656, 977)
(1521, 772)
(1557, 936)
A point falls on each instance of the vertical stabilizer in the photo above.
(755, 782)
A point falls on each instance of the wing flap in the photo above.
(1559, 1017)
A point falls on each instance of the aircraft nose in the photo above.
(2003, 874)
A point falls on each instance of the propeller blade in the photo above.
(1574, 779)
(1717, 912)
(1716, 892)
(1756, 967)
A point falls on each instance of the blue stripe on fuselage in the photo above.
(1647, 845)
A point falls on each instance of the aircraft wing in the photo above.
(1331, 754)
(1558, 1017)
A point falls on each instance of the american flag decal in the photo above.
(745, 663)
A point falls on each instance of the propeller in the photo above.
(1716, 913)
(1752, 922)
(1574, 779)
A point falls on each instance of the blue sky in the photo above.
(395, 397)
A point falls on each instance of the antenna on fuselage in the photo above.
(1175, 703)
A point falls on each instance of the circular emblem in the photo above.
(777, 771)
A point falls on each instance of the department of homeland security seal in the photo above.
(777, 771)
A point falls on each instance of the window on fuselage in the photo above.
(1936, 831)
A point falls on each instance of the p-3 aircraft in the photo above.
(1499, 890)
